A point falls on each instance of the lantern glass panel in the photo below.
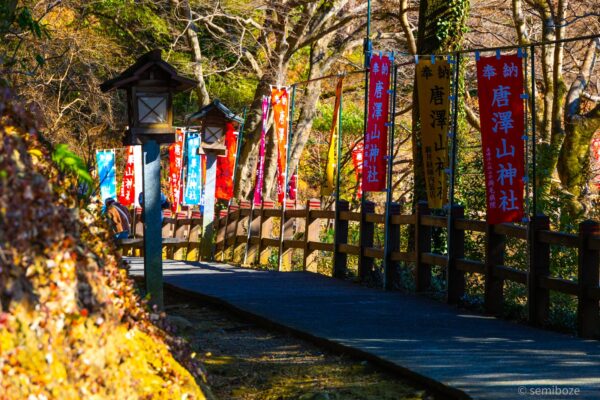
(213, 134)
(152, 109)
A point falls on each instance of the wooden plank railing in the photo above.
(305, 226)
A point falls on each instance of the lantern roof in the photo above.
(150, 64)
(217, 106)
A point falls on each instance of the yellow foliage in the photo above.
(71, 324)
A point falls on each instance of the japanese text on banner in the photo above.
(357, 160)
(375, 143)
(193, 184)
(226, 164)
(175, 168)
(280, 103)
(127, 191)
(500, 86)
(433, 83)
(105, 159)
(260, 172)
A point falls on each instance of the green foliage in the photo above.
(452, 26)
(69, 162)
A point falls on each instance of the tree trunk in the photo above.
(574, 154)
(432, 40)
(191, 33)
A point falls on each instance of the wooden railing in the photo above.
(181, 233)
(250, 235)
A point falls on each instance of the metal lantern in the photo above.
(150, 84)
(211, 121)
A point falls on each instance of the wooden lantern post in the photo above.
(211, 121)
(150, 84)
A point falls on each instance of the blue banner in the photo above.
(193, 182)
(105, 159)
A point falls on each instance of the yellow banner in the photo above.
(333, 138)
(433, 84)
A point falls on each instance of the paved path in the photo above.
(484, 357)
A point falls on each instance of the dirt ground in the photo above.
(244, 361)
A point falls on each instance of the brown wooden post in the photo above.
(253, 234)
(220, 240)
(193, 250)
(340, 260)
(241, 226)
(588, 309)
(266, 227)
(288, 234)
(495, 245)
(367, 231)
(232, 219)
(455, 277)
(312, 228)
(422, 245)
(394, 245)
(538, 298)
(182, 233)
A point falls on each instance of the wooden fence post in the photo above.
(253, 236)
(239, 240)
(231, 220)
(495, 245)
(394, 245)
(455, 277)
(193, 250)
(220, 237)
(367, 231)
(287, 230)
(538, 298)
(312, 228)
(588, 271)
(182, 234)
(422, 245)
(340, 260)
(266, 227)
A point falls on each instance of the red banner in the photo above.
(500, 86)
(260, 172)
(357, 160)
(175, 166)
(374, 160)
(127, 192)
(280, 103)
(225, 165)
(293, 187)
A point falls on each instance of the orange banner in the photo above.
(330, 168)
(280, 104)
(433, 83)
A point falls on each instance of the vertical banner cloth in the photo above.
(333, 138)
(175, 168)
(374, 160)
(433, 85)
(280, 103)
(226, 164)
(193, 182)
(293, 187)
(138, 168)
(105, 159)
(127, 191)
(357, 160)
(500, 86)
(260, 172)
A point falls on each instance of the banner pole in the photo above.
(285, 177)
(452, 175)
(533, 134)
(239, 147)
(387, 270)
(367, 53)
